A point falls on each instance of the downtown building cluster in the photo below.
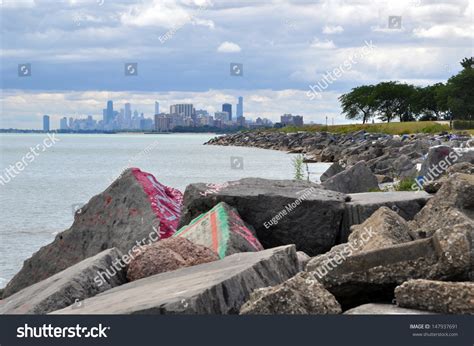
(180, 116)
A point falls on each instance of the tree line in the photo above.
(453, 100)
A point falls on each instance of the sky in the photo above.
(77, 51)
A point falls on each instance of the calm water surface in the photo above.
(37, 202)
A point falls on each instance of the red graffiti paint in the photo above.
(165, 202)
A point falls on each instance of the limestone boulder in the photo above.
(369, 276)
(219, 287)
(362, 205)
(334, 169)
(135, 208)
(302, 294)
(453, 204)
(437, 296)
(69, 287)
(358, 178)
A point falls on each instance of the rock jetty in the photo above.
(260, 246)
(385, 155)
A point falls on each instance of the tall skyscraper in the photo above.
(157, 107)
(128, 116)
(227, 107)
(240, 107)
(110, 112)
(63, 124)
(46, 123)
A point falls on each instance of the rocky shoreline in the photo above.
(387, 156)
(259, 246)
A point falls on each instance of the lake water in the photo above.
(38, 201)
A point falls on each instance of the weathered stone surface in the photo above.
(222, 230)
(382, 229)
(130, 210)
(384, 309)
(302, 294)
(437, 296)
(366, 276)
(219, 287)
(334, 169)
(404, 167)
(167, 255)
(357, 178)
(303, 259)
(453, 204)
(362, 205)
(68, 287)
(461, 167)
(281, 211)
(433, 159)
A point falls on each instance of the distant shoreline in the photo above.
(3, 131)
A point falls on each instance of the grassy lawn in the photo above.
(390, 128)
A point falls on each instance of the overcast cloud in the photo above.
(77, 51)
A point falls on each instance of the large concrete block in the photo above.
(281, 211)
(219, 287)
(362, 205)
(373, 275)
(68, 287)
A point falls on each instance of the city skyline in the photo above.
(117, 118)
(73, 56)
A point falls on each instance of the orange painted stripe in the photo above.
(215, 244)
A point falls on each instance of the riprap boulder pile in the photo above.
(134, 209)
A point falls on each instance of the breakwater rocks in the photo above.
(256, 246)
(387, 155)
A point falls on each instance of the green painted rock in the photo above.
(222, 230)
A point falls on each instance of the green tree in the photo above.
(393, 99)
(467, 62)
(427, 102)
(359, 103)
(458, 96)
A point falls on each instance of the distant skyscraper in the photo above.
(185, 109)
(46, 123)
(227, 107)
(157, 107)
(63, 124)
(222, 116)
(289, 119)
(110, 112)
(162, 123)
(240, 107)
(128, 115)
